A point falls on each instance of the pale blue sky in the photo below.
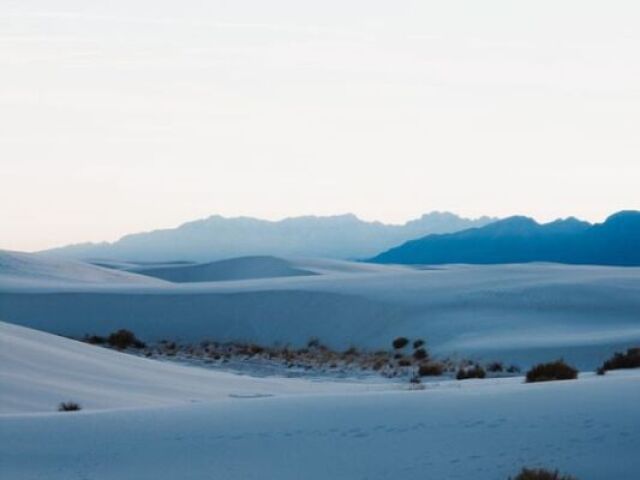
(131, 115)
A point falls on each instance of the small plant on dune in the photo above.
(630, 359)
(513, 369)
(418, 343)
(540, 474)
(475, 371)
(378, 365)
(69, 407)
(404, 362)
(431, 369)
(420, 354)
(254, 349)
(495, 367)
(545, 372)
(400, 342)
(124, 339)
(95, 339)
(351, 351)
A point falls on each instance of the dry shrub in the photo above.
(541, 474)
(545, 372)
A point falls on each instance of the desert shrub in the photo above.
(475, 371)
(541, 474)
(95, 339)
(545, 372)
(513, 369)
(495, 367)
(254, 349)
(431, 369)
(124, 339)
(404, 362)
(69, 407)
(351, 351)
(418, 343)
(313, 342)
(400, 342)
(601, 371)
(378, 365)
(420, 354)
(630, 359)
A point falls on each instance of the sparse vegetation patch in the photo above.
(475, 371)
(495, 367)
(545, 372)
(420, 354)
(431, 369)
(313, 357)
(69, 407)
(540, 474)
(95, 339)
(629, 359)
(124, 339)
(400, 342)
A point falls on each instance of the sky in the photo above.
(131, 115)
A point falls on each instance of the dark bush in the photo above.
(541, 474)
(95, 339)
(420, 354)
(630, 359)
(418, 343)
(495, 367)
(404, 362)
(471, 372)
(69, 407)
(601, 371)
(124, 339)
(431, 369)
(513, 369)
(545, 372)
(252, 350)
(378, 365)
(351, 351)
(400, 342)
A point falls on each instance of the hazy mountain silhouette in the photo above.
(522, 239)
(216, 237)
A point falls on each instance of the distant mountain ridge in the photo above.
(519, 239)
(217, 237)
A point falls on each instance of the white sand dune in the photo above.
(188, 423)
(515, 313)
(232, 269)
(39, 370)
(246, 268)
(19, 269)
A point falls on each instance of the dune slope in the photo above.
(39, 370)
(515, 313)
(479, 431)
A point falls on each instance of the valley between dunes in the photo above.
(148, 419)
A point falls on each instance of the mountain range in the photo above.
(217, 237)
(519, 239)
